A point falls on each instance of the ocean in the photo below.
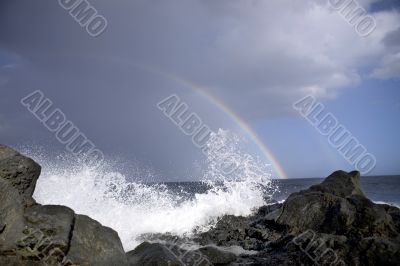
(136, 208)
(380, 189)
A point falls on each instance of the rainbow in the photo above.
(276, 167)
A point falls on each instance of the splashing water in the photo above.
(237, 185)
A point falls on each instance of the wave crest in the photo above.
(236, 184)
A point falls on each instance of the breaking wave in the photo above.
(236, 184)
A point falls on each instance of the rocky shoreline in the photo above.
(332, 223)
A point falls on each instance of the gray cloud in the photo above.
(389, 66)
(392, 39)
(255, 56)
(240, 51)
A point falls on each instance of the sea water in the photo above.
(136, 209)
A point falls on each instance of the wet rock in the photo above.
(333, 217)
(348, 225)
(332, 223)
(338, 206)
(11, 218)
(250, 233)
(49, 229)
(217, 256)
(18, 261)
(378, 251)
(94, 244)
(230, 230)
(165, 254)
(152, 254)
(21, 172)
(55, 234)
(341, 184)
(34, 234)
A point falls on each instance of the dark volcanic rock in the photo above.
(152, 254)
(228, 231)
(250, 233)
(20, 171)
(333, 217)
(94, 244)
(11, 218)
(332, 223)
(340, 184)
(34, 234)
(56, 223)
(147, 254)
(217, 256)
(17, 261)
(338, 206)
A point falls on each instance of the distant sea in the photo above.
(136, 210)
(380, 189)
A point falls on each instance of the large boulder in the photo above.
(172, 254)
(341, 184)
(34, 234)
(332, 223)
(250, 233)
(337, 214)
(49, 234)
(333, 216)
(20, 171)
(338, 206)
(217, 256)
(48, 230)
(94, 244)
(153, 254)
(11, 218)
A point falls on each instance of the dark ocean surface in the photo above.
(177, 208)
(381, 189)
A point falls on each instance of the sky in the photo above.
(238, 65)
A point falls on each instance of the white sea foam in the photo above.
(134, 209)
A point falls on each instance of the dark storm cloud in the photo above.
(392, 39)
(256, 56)
(241, 51)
